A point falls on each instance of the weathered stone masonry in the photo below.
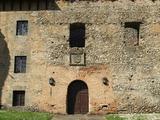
(111, 52)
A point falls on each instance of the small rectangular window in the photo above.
(22, 28)
(20, 64)
(18, 98)
(77, 35)
(132, 32)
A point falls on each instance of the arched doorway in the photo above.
(77, 98)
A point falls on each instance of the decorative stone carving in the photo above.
(77, 59)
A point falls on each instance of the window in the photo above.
(18, 98)
(22, 28)
(132, 32)
(20, 64)
(77, 35)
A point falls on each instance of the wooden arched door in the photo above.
(77, 98)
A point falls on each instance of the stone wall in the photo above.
(133, 70)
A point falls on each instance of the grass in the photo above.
(117, 117)
(13, 115)
(114, 117)
(139, 118)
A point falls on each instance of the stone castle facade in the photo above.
(107, 52)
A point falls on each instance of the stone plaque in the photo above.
(77, 59)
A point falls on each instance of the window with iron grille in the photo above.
(18, 98)
(22, 28)
(20, 64)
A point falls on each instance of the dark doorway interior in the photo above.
(77, 98)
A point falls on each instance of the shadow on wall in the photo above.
(4, 63)
(28, 5)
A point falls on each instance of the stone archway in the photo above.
(77, 98)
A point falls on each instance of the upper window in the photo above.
(77, 35)
(18, 98)
(20, 64)
(22, 28)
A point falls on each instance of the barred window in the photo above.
(20, 64)
(22, 28)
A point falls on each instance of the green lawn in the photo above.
(130, 117)
(114, 117)
(13, 115)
